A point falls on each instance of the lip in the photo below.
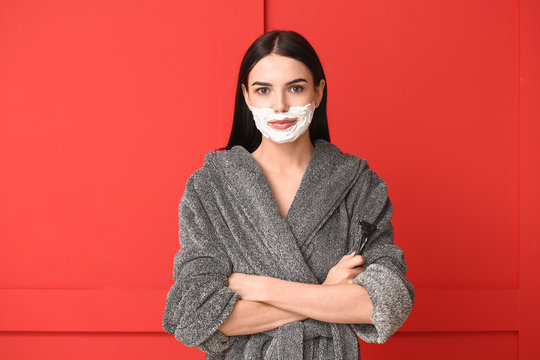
(283, 121)
(282, 124)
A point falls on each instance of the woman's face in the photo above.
(279, 82)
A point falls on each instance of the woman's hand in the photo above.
(345, 270)
(249, 287)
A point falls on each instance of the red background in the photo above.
(106, 108)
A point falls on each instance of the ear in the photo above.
(246, 96)
(320, 91)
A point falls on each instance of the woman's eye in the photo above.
(262, 91)
(297, 88)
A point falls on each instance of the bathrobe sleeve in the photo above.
(384, 278)
(199, 301)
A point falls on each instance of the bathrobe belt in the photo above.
(288, 341)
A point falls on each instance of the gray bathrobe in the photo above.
(229, 222)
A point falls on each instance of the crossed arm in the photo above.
(267, 302)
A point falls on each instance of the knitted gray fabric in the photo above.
(229, 222)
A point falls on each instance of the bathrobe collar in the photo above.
(329, 176)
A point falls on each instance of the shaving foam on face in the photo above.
(263, 116)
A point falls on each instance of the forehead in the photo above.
(277, 69)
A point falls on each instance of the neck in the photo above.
(281, 157)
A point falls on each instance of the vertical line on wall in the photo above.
(264, 16)
(517, 25)
(529, 178)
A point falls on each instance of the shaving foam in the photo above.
(263, 116)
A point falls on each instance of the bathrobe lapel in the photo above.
(322, 189)
(320, 192)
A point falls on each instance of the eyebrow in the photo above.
(289, 83)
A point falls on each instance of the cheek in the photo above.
(259, 102)
(262, 100)
(302, 98)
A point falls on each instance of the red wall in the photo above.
(106, 108)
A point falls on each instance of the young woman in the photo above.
(270, 227)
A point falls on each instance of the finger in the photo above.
(359, 271)
(352, 274)
(354, 261)
(347, 256)
(355, 272)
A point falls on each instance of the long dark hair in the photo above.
(285, 43)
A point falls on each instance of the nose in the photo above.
(281, 104)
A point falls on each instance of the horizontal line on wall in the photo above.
(141, 310)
